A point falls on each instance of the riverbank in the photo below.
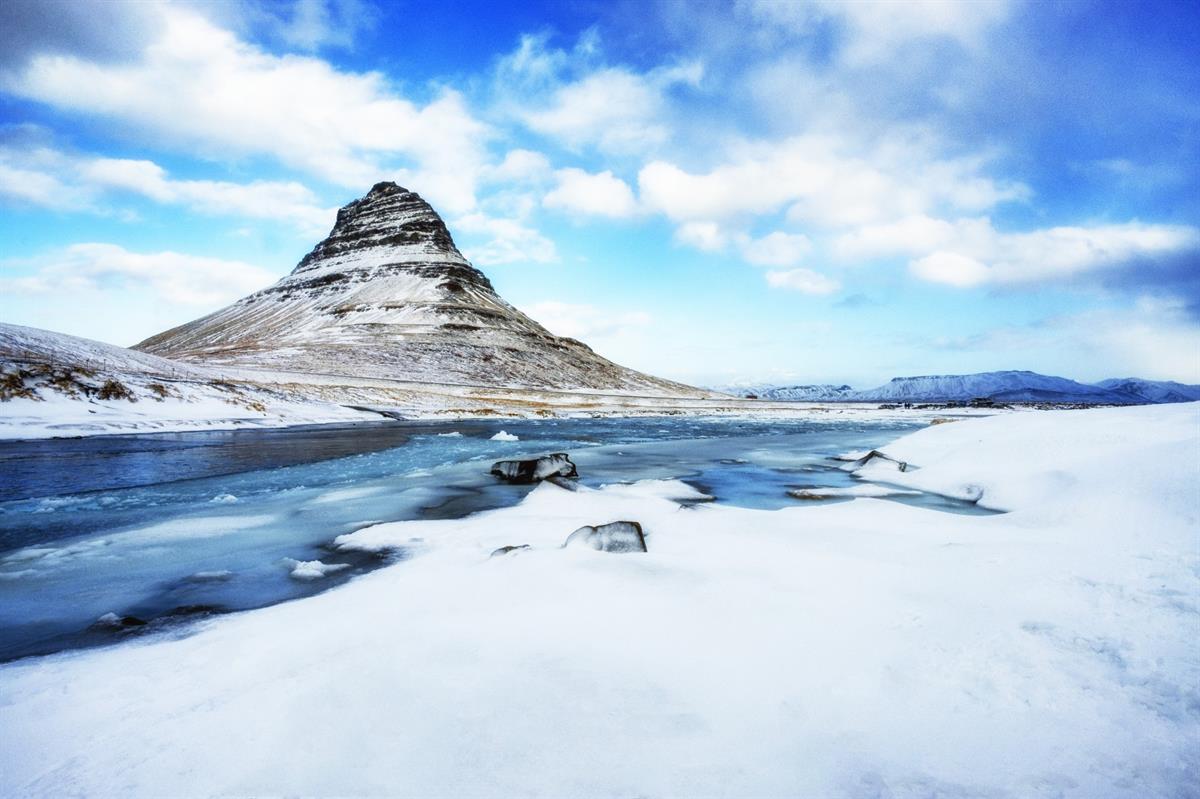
(851, 649)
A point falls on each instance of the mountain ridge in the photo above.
(1001, 386)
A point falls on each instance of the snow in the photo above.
(166, 396)
(864, 648)
(313, 569)
(503, 436)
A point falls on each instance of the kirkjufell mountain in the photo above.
(387, 295)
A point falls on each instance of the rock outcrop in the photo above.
(388, 295)
(557, 464)
(611, 537)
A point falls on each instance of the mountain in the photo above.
(1152, 391)
(388, 295)
(1007, 386)
(814, 393)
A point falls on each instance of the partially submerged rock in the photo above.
(874, 455)
(111, 621)
(509, 550)
(611, 537)
(557, 464)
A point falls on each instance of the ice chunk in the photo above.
(314, 569)
(503, 436)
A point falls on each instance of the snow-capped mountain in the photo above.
(1007, 386)
(388, 295)
(814, 393)
(1152, 390)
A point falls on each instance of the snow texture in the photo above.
(857, 649)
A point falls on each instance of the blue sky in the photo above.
(751, 191)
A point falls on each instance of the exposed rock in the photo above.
(611, 537)
(557, 464)
(874, 455)
(111, 621)
(388, 295)
(509, 549)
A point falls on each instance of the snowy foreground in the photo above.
(865, 648)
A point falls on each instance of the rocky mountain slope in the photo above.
(1152, 390)
(388, 295)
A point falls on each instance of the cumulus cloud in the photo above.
(817, 180)
(804, 281)
(585, 322)
(580, 102)
(975, 253)
(504, 241)
(198, 87)
(54, 179)
(105, 32)
(704, 236)
(776, 249)
(873, 30)
(174, 277)
(600, 194)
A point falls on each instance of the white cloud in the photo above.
(704, 236)
(520, 166)
(950, 268)
(37, 187)
(585, 322)
(776, 249)
(198, 87)
(975, 253)
(804, 281)
(874, 29)
(600, 194)
(571, 97)
(174, 277)
(505, 241)
(53, 179)
(821, 181)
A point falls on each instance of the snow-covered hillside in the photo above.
(1152, 390)
(1013, 386)
(53, 384)
(388, 295)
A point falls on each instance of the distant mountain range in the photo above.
(1007, 386)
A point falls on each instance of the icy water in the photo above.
(169, 527)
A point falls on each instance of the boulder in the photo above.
(509, 549)
(557, 464)
(876, 455)
(611, 537)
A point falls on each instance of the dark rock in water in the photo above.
(111, 621)
(611, 537)
(532, 471)
(877, 455)
(509, 549)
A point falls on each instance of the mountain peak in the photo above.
(391, 220)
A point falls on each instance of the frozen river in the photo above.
(164, 528)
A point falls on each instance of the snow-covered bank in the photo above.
(859, 649)
(54, 385)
